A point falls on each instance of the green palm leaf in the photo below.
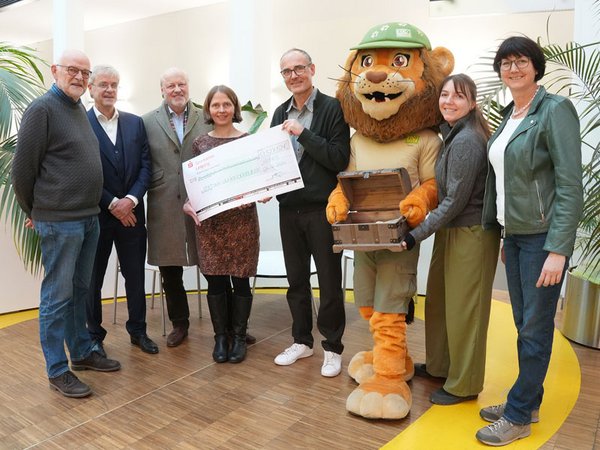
(21, 81)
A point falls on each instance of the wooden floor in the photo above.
(181, 399)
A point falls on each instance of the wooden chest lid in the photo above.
(375, 190)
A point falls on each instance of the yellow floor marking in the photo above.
(454, 427)
(9, 319)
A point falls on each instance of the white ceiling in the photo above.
(31, 21)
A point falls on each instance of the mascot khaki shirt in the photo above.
(417, 152)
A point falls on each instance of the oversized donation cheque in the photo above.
(374, 220)
(242, 171)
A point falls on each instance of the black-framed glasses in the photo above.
(73, 71)
(298, 70)
(506, 65)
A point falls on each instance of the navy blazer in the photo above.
(137, 163)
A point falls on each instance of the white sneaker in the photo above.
(332, 364)
(292, 354)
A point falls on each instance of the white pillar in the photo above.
(587, 23)
(586, 30)
(250, 49)
(67, 25)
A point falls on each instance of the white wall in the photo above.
(199, 41)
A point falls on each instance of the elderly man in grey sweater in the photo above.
(57, 179)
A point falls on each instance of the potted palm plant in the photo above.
(20, 82)
(573, 70)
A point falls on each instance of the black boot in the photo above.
(241, 312)
(249, 338)
(217, 305)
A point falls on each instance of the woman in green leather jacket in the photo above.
(534, 192)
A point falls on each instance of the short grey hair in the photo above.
(297, 50)
(103, 70)
(174, 71)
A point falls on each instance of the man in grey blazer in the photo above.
(171, 130)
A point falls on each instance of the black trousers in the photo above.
(306, 232)
(176, 296)
(130, 243)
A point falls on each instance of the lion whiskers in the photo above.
(342, 81)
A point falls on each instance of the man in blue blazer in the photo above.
(127, 171)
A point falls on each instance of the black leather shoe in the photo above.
(98, 347)
(69, 385)
(250, 339)
(176, 336)
(421, 371)
(443, 397)
(95, 361)
(145, 343)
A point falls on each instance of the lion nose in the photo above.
(376, 77)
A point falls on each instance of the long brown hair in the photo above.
(465, 85)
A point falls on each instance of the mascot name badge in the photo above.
(389, 95)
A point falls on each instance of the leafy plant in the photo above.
(257, 113)
(572, 70)
(21, 81)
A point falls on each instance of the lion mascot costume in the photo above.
(389, 95)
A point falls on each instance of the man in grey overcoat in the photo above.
(171, 130)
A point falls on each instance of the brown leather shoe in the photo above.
(250, 339)
(176, 336)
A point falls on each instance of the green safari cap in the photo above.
(394, 35)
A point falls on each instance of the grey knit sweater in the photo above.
(56, 170)
(460, 172)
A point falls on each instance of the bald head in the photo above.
(70, 55)
(174, 89)
(71, 73)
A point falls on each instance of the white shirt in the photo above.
(496, 157)
(111, 126)
(108, 124)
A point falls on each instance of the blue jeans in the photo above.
(533, 312)
(68, 251)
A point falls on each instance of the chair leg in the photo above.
(344, 274)
(254, 285)
(153, 289)
(199, 292)
(116, 292)
(162, 305)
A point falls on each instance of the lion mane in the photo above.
(419, 112)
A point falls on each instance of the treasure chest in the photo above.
(374, 221)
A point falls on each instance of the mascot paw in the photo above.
(371, 404)
(361, 367)
(380, 397)
(337, 206)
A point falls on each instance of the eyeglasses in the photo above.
(73, 71)
(298, 70)
(507, 64)
(104, 86)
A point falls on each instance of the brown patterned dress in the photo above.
(228, 243)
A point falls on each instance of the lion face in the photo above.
(386, 79)
(387, 93)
